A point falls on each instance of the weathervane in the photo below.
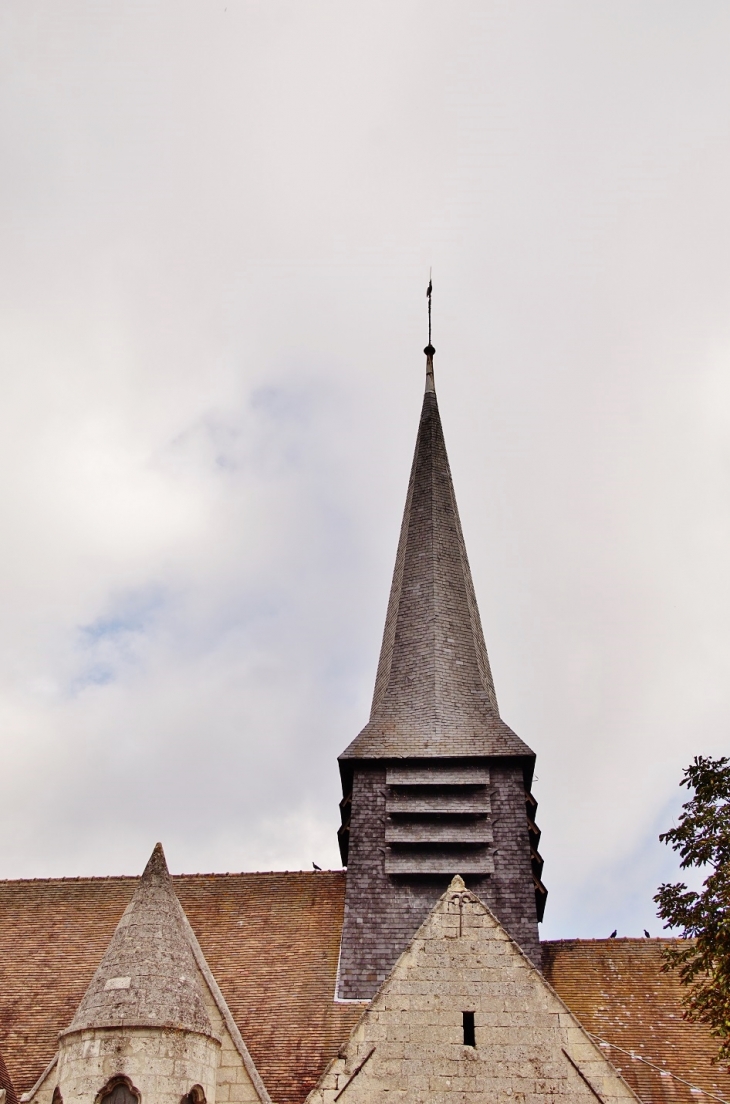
(429, 350)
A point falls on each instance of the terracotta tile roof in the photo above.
(272, 942)
(7, 1084)
(434, 693)
(617, 990)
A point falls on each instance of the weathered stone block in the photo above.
(523, 1031)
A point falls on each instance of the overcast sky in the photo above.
(217, 223)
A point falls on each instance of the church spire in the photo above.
(436, 784)
(434, 693)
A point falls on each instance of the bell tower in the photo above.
(436, 784)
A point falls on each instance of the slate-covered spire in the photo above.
(434, 694)
(148, 976)
(436, 784)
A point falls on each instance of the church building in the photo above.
(415, 974)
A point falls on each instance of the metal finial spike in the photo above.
(429, 350)
(429, 289)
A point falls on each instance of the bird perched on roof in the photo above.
(613, 934)
(316, 867)
(646, 934)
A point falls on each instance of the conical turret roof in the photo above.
(434, 693)
(148, 976)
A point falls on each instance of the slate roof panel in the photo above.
(434, 692)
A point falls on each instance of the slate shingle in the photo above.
(434, 692)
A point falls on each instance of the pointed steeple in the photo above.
(436, 784)
(434, 694)
(148, 976)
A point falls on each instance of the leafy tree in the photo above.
(702, 838)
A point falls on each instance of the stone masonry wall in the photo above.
(162, 1064)
(410, 1043)
(383, 911)
(233, 1084)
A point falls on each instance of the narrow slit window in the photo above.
(469, 1036)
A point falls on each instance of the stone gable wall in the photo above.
(233, 1084)
(410, 1043)
(44, 1092)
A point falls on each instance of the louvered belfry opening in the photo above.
(536, 859)
(436, 784)
(438, 819)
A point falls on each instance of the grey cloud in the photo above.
(217, 227)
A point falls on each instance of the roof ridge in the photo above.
(71, 878)
(612, 940)
(68, 878)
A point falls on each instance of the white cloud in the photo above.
(217, 224)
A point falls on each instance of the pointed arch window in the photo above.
(195, 1096)
(119, 1090)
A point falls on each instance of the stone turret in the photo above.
(142, 1025)
(436, 784)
